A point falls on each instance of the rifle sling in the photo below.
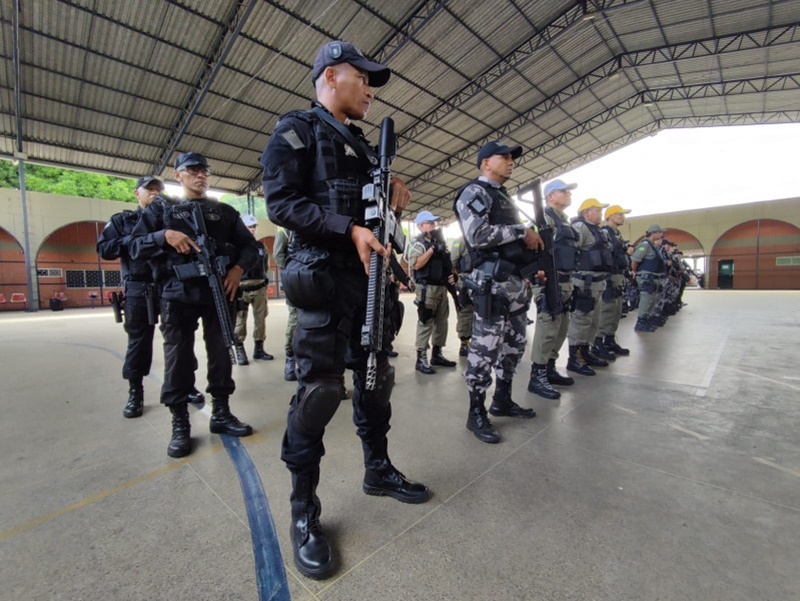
(343, 131)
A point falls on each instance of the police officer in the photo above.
(165, 237)
(611, 306)
(649, 268)
(282, 239)
(431, 271)
(254, 293)
(315, 165)
(552, 322)
(464, 316)
(589, 280)
(141, 299)
(501, 245)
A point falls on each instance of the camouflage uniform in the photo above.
(650, 278)
(498, 340)
(584, 320)
(281, 249)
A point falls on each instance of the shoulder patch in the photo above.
(476, 205)
(642, 247)
(292, 139)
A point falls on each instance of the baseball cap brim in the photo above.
(145, 181)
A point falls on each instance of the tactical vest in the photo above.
(132, 270)
(220, 221)
(619, 250)
(654, 264)
(565, 243)
(260, 271)
(598, 256)
(339, 175)
(434, 270)
(503, 212)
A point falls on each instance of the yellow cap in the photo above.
(616, 210)
(590, 203)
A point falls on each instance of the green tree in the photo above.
(39, 178)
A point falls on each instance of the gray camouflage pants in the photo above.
(499, 341)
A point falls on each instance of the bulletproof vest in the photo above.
(132, 270)
(220, 222)
(260, 271)
(654, 264)
(618, 249)
(434, 271)
(565, 243)
(339, 173)
(503, 212)
(597, 257)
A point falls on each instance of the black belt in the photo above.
(594, 278)
(254, 288)
(564, 277)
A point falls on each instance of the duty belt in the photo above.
(137, 288)
(593, 277)
(254, 288)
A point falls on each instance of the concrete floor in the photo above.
(674, 474)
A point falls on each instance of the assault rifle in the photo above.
(379, 217)
(213, 267)
(546, 260)
(438, 236)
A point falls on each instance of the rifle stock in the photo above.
(379, 217)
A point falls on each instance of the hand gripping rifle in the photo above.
(379, 217)
(546, 262)
(213, 267)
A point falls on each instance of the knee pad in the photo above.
(318, 404)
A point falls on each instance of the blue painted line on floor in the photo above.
(270, 575)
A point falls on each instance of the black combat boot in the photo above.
(556, 378)
(642, 325)
(577, 362)
(599, 350)
(463, 349)
(181, 443)
(197, 398)
(478, 422)
(437, 358)
(610, 342)
(135, 405)
(241, 356)
(260, 353)
(381, 478)
(539, 383)
(312, 553)
(289, 373)
(225, 422)
(423, 366)
(503, 406)
(591, 359)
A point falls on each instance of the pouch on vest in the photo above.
(307, 278)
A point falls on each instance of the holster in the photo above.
(424, 314)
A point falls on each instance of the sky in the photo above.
(682, 169)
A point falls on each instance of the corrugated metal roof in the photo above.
(106, 86)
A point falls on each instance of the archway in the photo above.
(13, 279)
(68, 264)
(763, 254)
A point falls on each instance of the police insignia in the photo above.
(293, 139)
(476, 205)
(335, 50)
(212, 216)
(349, 151)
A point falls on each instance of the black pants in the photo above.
(326, 342)
(139, 355)
(179, 322)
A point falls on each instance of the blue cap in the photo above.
(558, 184)
(249, 220)
(189, 159)
(423, 216)
(492, 148)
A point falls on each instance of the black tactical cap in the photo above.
(492, 148)
(187, 159)
(336, 52)
(145, 181)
